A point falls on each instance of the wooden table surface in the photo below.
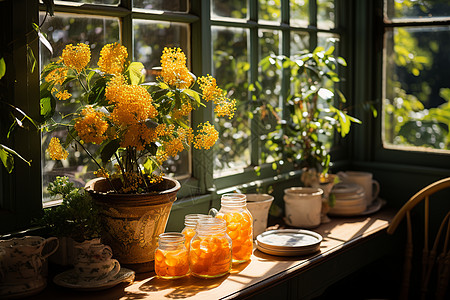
(262, 272)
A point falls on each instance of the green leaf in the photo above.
(44, 41)
(97, 93)
(135, 72)
(193, 95)
(7, 159)
(342, 61)
(109, 149)
(330, 50)
(48, 105)
(31, 59)
(2, 68)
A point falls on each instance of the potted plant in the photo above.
(315, 111)
(74, 221)
(137, 127)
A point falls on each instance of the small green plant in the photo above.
(315, 109)
(76, 217)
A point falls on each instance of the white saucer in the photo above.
(14, 291)
(70, 279)
(374, 207)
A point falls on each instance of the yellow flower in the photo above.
(112, 58)
(63, 95)
(209, 88)
(184, 110)
(173, 69)
(138, 135)
(92, 126)
(173, 146)
(185, 134)
(76, 57)
(206, 136)
(164, 130)
(132, 103)
(55, 150)
(101, 173)
(225, 107)
(57, 76)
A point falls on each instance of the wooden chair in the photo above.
(438, 258)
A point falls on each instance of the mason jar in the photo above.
(210, 249)
(171, 256)
(190, 223)
(233, 209)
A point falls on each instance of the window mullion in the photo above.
(126, 30)
(313, 24)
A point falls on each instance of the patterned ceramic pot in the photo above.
(133, 222)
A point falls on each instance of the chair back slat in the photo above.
(435, 262)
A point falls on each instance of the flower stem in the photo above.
(90, 155)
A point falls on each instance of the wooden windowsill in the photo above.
(341, 237)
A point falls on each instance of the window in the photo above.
(416, 90)
(224, 38)
(241, 37)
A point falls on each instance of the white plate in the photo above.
(374, 207)
(22, 290)
(70, 279)
(289, 241)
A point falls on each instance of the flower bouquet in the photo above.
(137, 125)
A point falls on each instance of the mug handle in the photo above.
(375, 189)
(47, 241)
(213, 212)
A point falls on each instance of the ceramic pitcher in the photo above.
(21, 258)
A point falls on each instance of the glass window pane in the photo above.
(63, 29)
(299, 41)
(269, 10)
(168, 5)
(407, 9)
(230, 68)
(229, 9)
(299, 13)
(106, 2)
(325, 14)
(417, 91)
(150, 38)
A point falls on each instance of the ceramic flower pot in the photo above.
(303, 206)
(259, 205)
(133, 222)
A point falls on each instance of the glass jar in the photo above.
(210, 249)
(190, 223)
(171, 256)
(239, 225)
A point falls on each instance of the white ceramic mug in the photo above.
(303, 206)
(259, 205)
(364, 179)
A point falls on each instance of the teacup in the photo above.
(22, 258)
(99, 271)
(364, 179)
(93, 261)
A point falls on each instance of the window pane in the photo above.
(168, 5)
(299, 41)
(325, 14)
(107, 2)
(395, 9)
(299, 12)
(270, 80)
(417, 91)
(230, 68)
(63, 29)
(150, 38)
(229, 9)
(269, 10)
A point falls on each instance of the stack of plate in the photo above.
(288, 242)
(349, 198)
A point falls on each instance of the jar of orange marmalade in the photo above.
(190, 223)
(210, 249)
(171, 256)
(239, 225)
